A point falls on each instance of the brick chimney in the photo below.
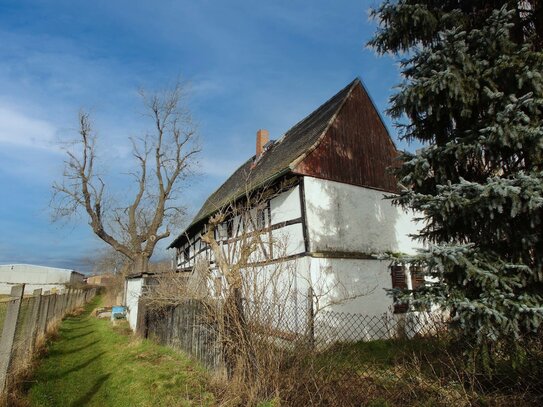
(262, 137)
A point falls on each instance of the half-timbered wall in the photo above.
(280, 218)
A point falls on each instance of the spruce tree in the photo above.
(473, 95)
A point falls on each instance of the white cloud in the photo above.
(19, 129)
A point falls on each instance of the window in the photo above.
(399, 281)
(230, 228)
(261, 218)
(186, 252)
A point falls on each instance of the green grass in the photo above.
(379, 353)
(93, 364)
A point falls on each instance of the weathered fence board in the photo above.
(187, 327)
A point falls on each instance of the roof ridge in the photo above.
(250, 159)
(351, 87)
(291, 147)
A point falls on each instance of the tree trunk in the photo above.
(240, 355)
(141, 264)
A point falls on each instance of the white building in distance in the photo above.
(46, 278)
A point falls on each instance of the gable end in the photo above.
(356, 148)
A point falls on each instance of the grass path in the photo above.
(91, 363)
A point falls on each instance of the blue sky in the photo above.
(250, 65)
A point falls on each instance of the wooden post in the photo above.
(35, 317)
(52, 309)
(44, 312)
(8, 333)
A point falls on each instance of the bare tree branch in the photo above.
(135, 225)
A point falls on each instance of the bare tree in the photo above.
(163, 159)
(109, 261)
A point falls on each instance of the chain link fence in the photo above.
(326, 358)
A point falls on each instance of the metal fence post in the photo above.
(310, 319)
(8, 333)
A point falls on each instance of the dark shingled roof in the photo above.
(277, 159)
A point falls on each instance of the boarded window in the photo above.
(399, 281)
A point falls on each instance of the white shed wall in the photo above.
(133, 293)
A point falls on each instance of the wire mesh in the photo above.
(333, 358)
(21, 340)
(3, 311)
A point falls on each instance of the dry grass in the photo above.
(352, 376)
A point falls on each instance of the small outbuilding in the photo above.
(101, 279)
(35, 277)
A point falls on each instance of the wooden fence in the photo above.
(24, 318)
(188, 327)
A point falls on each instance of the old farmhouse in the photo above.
(315, 199)
(335, 164)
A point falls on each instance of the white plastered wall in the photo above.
(350, 300)
(348, 218)
(352, 286)
(343, 286)
(286, 206)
